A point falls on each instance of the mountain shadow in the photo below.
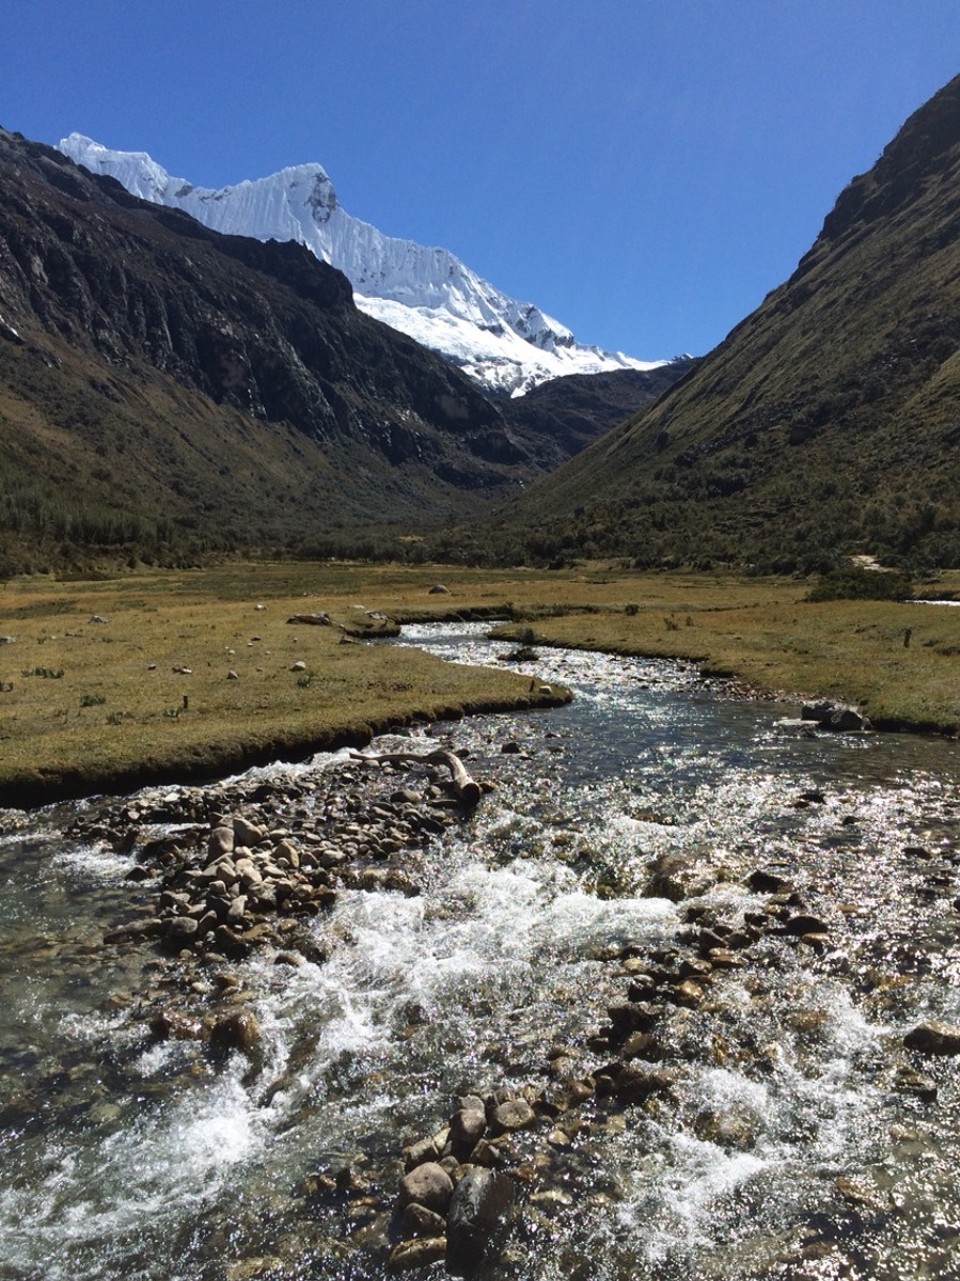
(168, 391)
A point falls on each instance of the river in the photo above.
(794, 1137)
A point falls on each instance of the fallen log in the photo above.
(319, 619)
(467, 788)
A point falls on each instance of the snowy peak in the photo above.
(505, 345)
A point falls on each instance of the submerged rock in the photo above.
(418, 1253)
(676, 876)
(239, 1031)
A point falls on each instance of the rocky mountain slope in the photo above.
(828, 421)
(172, 390)
(427, 293)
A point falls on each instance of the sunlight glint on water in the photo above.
(151, 1166)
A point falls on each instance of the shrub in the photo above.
(853, 583)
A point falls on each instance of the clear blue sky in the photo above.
(644, 170)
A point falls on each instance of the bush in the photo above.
(854, 583)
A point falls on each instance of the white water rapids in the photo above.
(124, 1157)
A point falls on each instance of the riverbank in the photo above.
(159, 676)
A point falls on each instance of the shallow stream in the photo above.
(799, 1139)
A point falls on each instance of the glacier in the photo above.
(506, 346)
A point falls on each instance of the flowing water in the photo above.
(799, 1138)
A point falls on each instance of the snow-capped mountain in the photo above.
(505, 345)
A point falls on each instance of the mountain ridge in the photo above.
(170, 391)
(826, 423)
(427, 292)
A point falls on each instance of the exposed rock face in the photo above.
(264, 327)
(218, 383)
(507, 345)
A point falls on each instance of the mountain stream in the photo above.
(654, 833)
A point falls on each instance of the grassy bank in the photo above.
(900, 663)
(198, 673)
(148, 695)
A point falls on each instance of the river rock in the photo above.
(238, 1031)
(676, 876)
(181, 931)
(733, 1128)
(408, 1255)
(934, 1038)
(421, 1222)
(633, 1016)
(911, 1082)
(170, 1025)
(838, 717)
(286, 849)
(635, 1082)
(480, 1202)
(512, 1114)
(641, 1045)
(686, 993)
(468, 1125)
(803, 923)
(489, 1154)
(220, 842)
(764, 881)
(429, 1185)
(135, 931)
(247, 833)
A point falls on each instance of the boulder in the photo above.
(934, 1038)
(476, 1220)
(428, 1185)
(839, 717)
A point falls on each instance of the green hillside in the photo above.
(827, 422)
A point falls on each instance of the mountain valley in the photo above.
(166, 390)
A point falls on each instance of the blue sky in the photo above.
(644, 170)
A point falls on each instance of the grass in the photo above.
(147, 695)
(853, 652)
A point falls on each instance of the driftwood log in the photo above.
(467, 788)
(319, 619)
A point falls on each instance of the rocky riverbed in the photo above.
(677, 999)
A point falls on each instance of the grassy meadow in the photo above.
(148, 695)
